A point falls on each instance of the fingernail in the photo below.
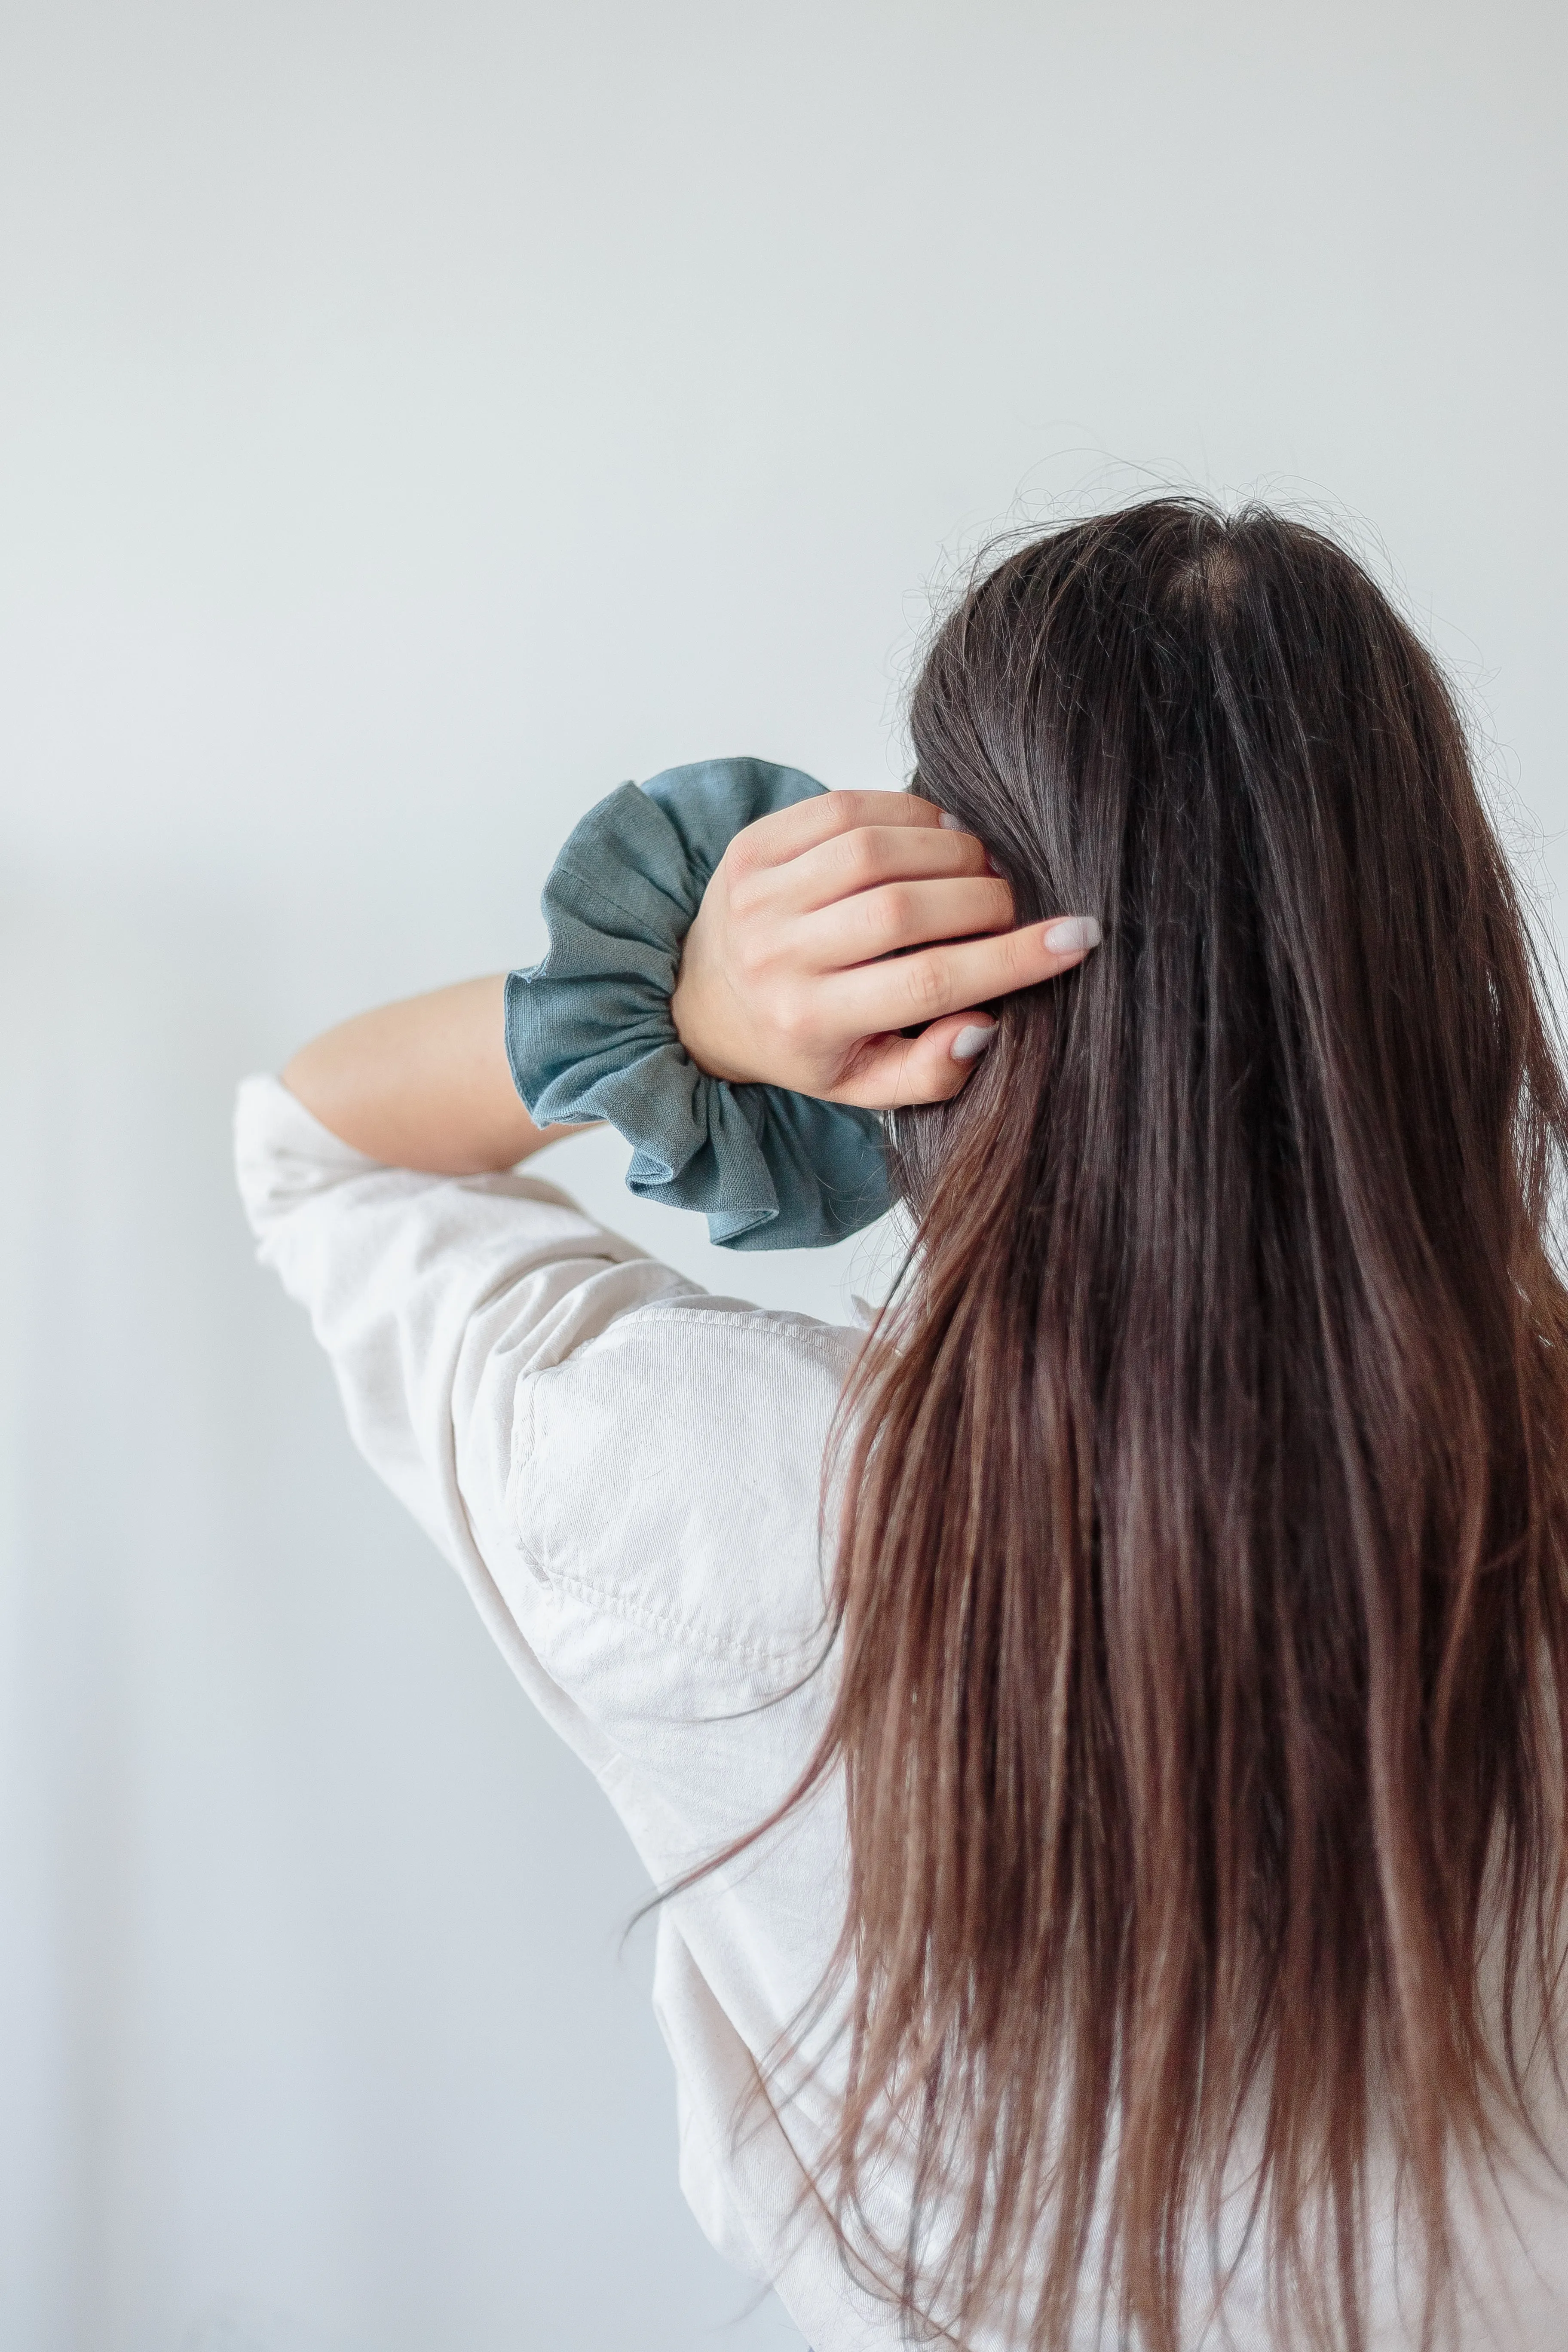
(1071, 932)
(972, 1041)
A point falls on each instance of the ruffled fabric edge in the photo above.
(588, 1032)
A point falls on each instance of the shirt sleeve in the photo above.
(433, 1297)
(625, 1470)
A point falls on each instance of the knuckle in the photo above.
(889, 916)
(1013, 953)
(792, 1018)
(925, 983)
(860, 857)
(1028, 958)
(740, 860)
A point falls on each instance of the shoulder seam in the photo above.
(819, 1335)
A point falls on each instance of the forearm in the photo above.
(424, 1084)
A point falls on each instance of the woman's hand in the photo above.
(832, 926)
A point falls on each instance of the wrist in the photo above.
(696, 1038)
(698, 1011)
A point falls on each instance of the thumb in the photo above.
(892, 1071)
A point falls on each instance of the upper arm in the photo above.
(668, 1546)
(626, 1473)
(431, 1296)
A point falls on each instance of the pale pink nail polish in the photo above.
(1069, 933)
(972, 1040)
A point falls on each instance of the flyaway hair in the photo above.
(1201, 1584)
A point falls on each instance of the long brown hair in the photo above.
(1201, 1583)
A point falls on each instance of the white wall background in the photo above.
(413, 420)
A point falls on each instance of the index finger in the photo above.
(896, 991)
(789, 832)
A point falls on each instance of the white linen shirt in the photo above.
(627, 1473)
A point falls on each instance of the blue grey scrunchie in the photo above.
(589, 1036)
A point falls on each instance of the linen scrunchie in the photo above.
(588, 1032)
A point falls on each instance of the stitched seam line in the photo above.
(823, 1336)
(679, 1629)
(593, 884)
